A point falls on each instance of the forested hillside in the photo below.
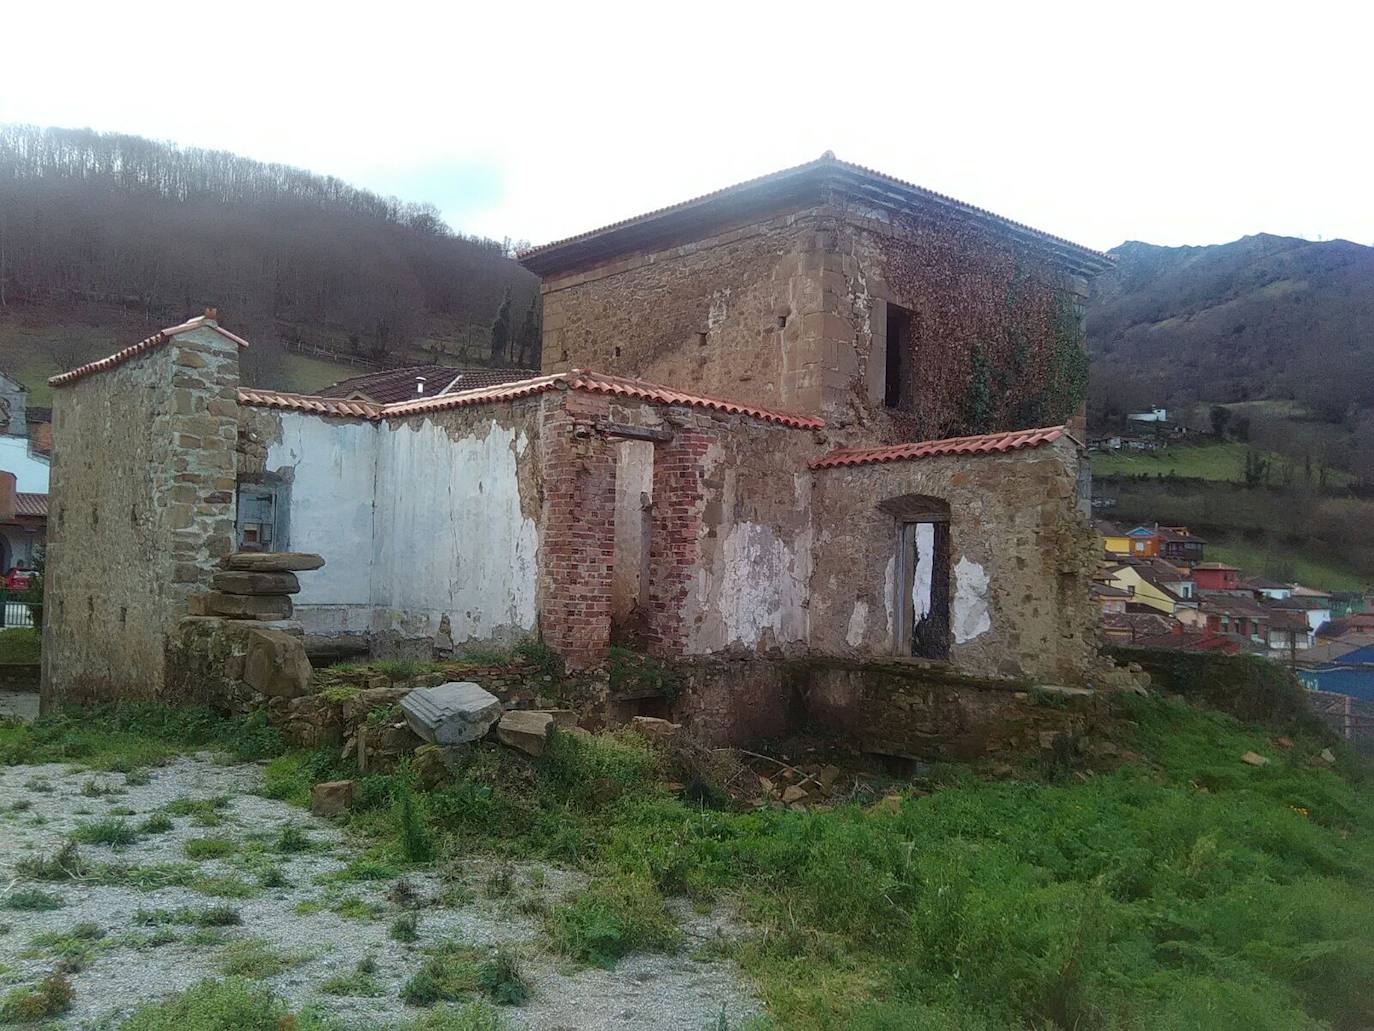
(103, 234)
(1261, 318)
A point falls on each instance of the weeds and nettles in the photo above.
(51, 997)
(209, 848)
(32, 900)
(405, 928)
(112, 831)
(258, 959)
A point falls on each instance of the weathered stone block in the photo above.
(332, 798)
(656, 729)
(526, 731)
(276, 663)
(243, 606)
(236, 581)
(273, 562)
(451, 714)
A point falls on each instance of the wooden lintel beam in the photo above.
(620, 429)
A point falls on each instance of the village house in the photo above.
(1216, 576)
(1178, 544)
(25, 444)
(1144, 542)
(762, 430)
(1154, 584)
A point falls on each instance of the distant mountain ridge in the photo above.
(1263, 317)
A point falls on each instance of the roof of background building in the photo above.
(1171, 535)
(159, 338)
(1260, 583)
(31, 506)
(573, 379)
(1217, 565)
(788, 189)
(396, 385)
(982, 444)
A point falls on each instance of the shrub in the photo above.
(234, 1004)
(611, 919)
(32, 900)
(405, 928)
(208, 848)
(49, 998)
(449, 975)
(292, 839)
(157, 823)
(417, 845)
(67, 864)
(502, 978)
(110, 830)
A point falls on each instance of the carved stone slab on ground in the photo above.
(452, 713)
(273, 561)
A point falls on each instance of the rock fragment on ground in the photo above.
(525, 731)
(332, 798)
(656, 729)
(1254, 759)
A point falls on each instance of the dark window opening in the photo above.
(897, 384)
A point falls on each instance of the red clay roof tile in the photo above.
(982, 444)
(32, 506)
(156, 340)
(574, 379)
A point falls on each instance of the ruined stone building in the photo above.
(820, 414)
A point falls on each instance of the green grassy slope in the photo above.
(1212, 460)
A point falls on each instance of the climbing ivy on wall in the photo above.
(996, 341)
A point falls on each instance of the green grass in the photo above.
(113, 831)
(1212, 460)
(257, 959)
(33, 900)
(1185, 889)
(209, 848)
(132, 735)
(19, 645)
(1285, 564)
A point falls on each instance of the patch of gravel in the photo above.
(124, 970)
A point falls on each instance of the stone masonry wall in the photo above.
(731, 315)
(1020, 561)
(142, 507)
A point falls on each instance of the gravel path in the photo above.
(299, 923)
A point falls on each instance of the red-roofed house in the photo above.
(1216, 576)
(752, 436)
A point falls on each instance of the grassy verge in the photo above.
(19, 645)
(1182, 888)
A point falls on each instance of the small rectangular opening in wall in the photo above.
(897, 382)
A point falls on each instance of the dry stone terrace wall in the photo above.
(1020, 561)
(143, 508)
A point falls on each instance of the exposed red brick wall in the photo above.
(579, 531)
(679, 467)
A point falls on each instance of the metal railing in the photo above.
(17, 610)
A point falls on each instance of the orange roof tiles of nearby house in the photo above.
(982, 444)
(159, 338)
(788, 189)
(574, 379)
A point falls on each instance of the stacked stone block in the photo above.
(255, 585)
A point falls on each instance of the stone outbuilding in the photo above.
(822, 414)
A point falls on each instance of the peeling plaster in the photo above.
(763, 585)
(858, 623)
(970, 601)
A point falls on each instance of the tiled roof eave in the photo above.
(982, 444)
(159, 338)
(575, 379)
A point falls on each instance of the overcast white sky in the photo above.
(1169, 122)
